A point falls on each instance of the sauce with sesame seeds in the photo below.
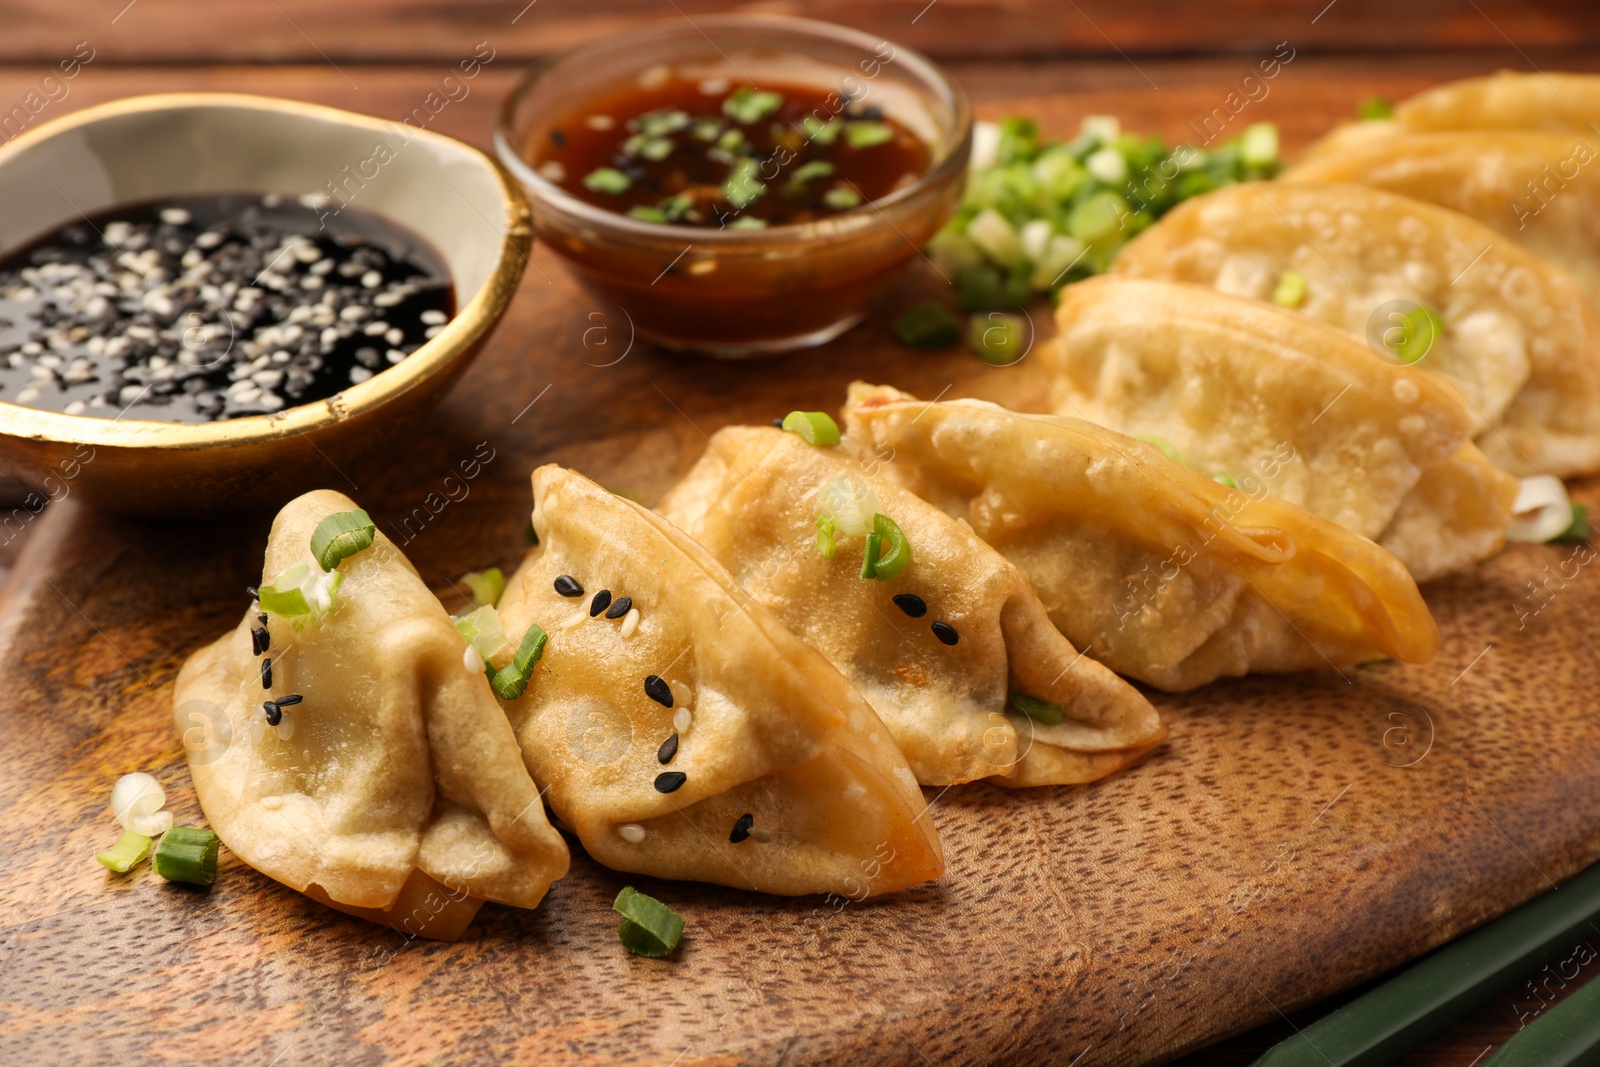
(200, 308)
(710, 153)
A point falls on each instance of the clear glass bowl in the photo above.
(736, 293)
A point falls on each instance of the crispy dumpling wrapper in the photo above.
(1521, 342)
(1156, 570)
(1540, 189)
(1235, 384)
(764, 726)
(400, 780)
(752, 502)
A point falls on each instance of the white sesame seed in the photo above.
(760, 833)
(472, 660)
(329, 337)
(631, 832)
(577, 618)
(311, 281)
(175, 216)
(286, 726)
(681, 720)
(371, 280)
(375, 328)
(630, 622)
(432, 331)
(681, 693)
(360, 374)
(395, 336)
(77, 407)
(434, 317)
(600, 122)
(394, 355)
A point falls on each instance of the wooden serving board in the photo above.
(1295, 836)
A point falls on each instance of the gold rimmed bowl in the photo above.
(153, 147)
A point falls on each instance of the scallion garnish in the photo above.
(300, 591)
(867, 134)
(483, 630)
(645, 213)
(841, 197)
(1291, 290)
(1168, 449)
(748, 222)
(511, 681)
(649, 927)
(825, 542)
(1374, 107)
(606, 180)
(996, 338)
(896, 554)
(1040, 711)
(1415, 334)
(748, 104)
(928, 325)
(817, 168)
(823, 133)
(662, 122)
(186, 854)
(869, 558)
(1224, 478)
(340, 536)
(1579, 530)
(1258, 146)
(850, 506)
(487, 586)
(743, 188)
(814, 427)
(126, 853)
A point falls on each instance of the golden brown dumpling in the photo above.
(1520, 340)
(682, 732)
(753, 500)
(1156, 570)
(394, 788)
(1234, 384)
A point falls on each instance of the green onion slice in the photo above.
(487, 586)
(849, 505)
(996, 338)
(1579, 530)
(928, 325)
(1291, 290)
(841, 198)
(867, 134)
(1224, 478)
(606, 180)
(483, 630)
(897, 552)
(300, 591)
(1374, 107)
(649, 927)
(825, 542)
(1168, 449)
(187, 854)
(126, 853)
(1040, 711)
(743, 186)
(817, 130)
(817, 168)
(340, 536)
(748, 104)
(814, 427)
(511, 681)
(869, 558)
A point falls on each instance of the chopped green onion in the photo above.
(1413, 338)
(1040, 711)
(645, 213)
(511, 681)
(841, 197)
(300, 591)
(995, 338)
(126, 853)
(748, 104)
(1097, 217)
(824, 133)
(869, 558)
(1168, 449)
(1258, 147)
(288, 602)
(814, 427)
(731, 141)
(1579, 530)
(928, 325)
(606, 180)
(706, 128)
(1107, 166)
(850, 506)
(662, 122)
(748, 223)
(649, 927)
(1224, 478)
(483, 630)
(805, 172)
(676, 207)
(743, 188)
(340, 536)
(825, 542)
(996, 237)
(186, 854)
(897, 556)
(1291, 290)
(1374, 107)
(867, 134)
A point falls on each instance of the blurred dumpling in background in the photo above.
(1513, 333)
(1382, 449)
(1158, 571)
(392, 787)
(681, 731)
(937, 645)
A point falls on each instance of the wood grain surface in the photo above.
(1287, 843)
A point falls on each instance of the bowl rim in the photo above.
(541, 190)
(473, 319)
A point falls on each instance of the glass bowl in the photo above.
(729, 292)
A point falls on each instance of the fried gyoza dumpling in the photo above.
(1231, 383)
(1156, 570)
(1539, 189)
(935, 647)
(394, 786)
(1520, 340)
(682, 732)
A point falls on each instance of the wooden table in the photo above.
(1158, 69)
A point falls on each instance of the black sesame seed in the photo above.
(266, 673)
(559, 138)
(741, 828)
(254, 595)
(260, 640)
(292, 698)
(778, 423)
(619, 607)
(945, 632)
(262, 618)
(658, 690)
(568, 586)
(274, 713)
(601, 601)
(670, 781)
(911, 604)
(668, 749)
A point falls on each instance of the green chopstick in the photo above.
(1383, 1024)
(1567, 1034)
